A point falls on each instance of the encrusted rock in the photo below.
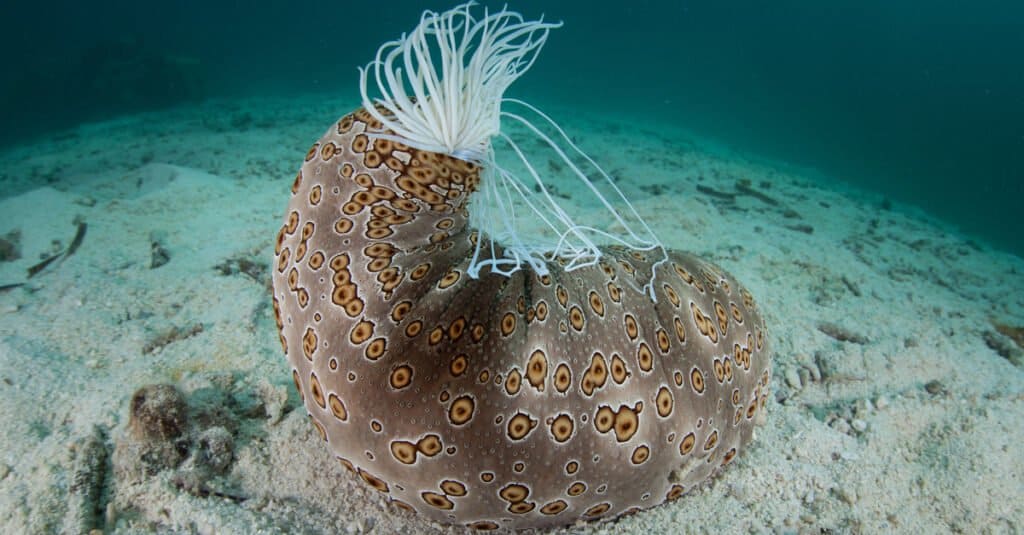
(158, 412)
(216, 448)
(155, 439)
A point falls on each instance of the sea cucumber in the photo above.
(502, 400)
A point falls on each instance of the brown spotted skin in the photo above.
(509, 402)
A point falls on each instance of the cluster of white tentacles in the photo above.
(442, 87)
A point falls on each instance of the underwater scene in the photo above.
(567, 267)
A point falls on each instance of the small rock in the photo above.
(882, 402)
(5, 470)
(841, 425)
(809, 498)
(826, 368)
(935, 388)
(274, 399)
(158, 254)
(805, 376)
(815, 372)
(792, 378)
(847, 496)
(217, 448)
(10, 246)
(110, 514)
(157, 412)
(156, 437)
(859, 425)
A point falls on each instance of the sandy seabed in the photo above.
(898, 388)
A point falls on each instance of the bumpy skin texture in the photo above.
(513, 402)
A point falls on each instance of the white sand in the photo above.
(915, 428)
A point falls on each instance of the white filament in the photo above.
(442, 88)
(457, 67)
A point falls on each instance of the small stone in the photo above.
(10, 246)
(859, 425)
(805, 376)
(110, 514)
(809, 498)
(274, 399)
(158, 254)
(882, 402)
(792, 378)
(157, 412)
(156, 437)
(841, 425)
(935, 387)
(815, 372)
(217, 448)
(861, 408)
(5, 470)
(847, 496)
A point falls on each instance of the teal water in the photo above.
(921, 102)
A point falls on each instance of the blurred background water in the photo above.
(922, 102)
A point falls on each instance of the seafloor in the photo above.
(898, 391)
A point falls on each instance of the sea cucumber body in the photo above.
(513, 402)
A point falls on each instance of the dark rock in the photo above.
(935, 388)
(158, 255)
(10, 246)
(158, 412)
(156, 437)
